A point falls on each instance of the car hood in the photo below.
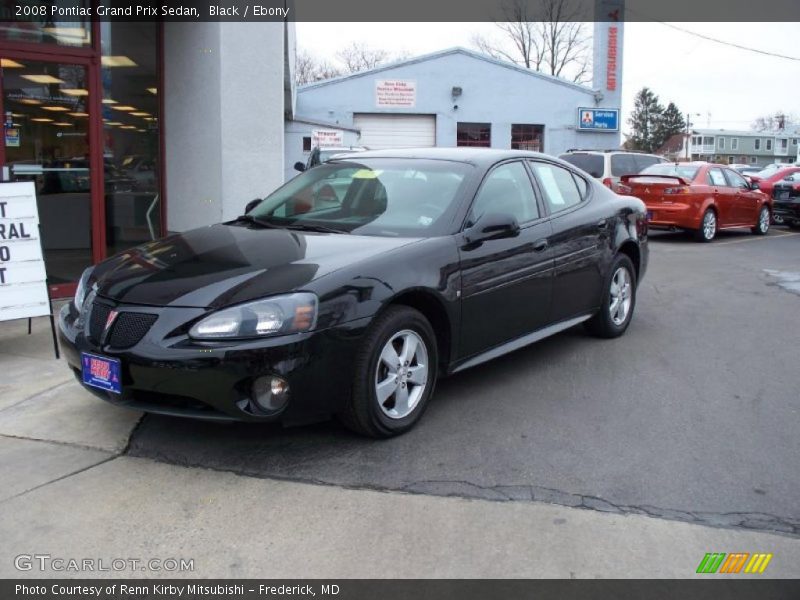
(223, 264)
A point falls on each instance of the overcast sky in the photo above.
(729, 87)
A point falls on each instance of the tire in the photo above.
(762, 226)
(606, 323)
(708, 226)
(386, 416)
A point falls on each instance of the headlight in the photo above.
(82, 289)
(273, 316)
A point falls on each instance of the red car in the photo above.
(700, 197)
(766, 180)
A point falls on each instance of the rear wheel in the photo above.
(619, 300)
(762, 226)
(395, 374)
(708, 226)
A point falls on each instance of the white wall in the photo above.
(223, 122)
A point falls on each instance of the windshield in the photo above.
(685, 171)
(382, 197)
(591, 163)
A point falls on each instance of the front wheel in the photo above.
(762, 226)
(619, 300)
(395, 374)
(708, 226)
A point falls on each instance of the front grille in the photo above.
(97, 321)
(127, 330)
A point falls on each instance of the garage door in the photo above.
(396, 131)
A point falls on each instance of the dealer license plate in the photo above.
(101, 372)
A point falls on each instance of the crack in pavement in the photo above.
(762, 522)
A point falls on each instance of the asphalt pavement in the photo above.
(692, 415)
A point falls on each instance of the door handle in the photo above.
(540, 245)
(602, 225)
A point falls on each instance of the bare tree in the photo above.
(360, 57)
(308, 68)
(779, 121)
(548, 39)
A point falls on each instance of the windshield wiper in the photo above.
(312, 227)
(254, 220)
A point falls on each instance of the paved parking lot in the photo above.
(693, 415)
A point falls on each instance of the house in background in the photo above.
(758, 148)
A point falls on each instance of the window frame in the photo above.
(735, 143)
(538, 130)
(769, 145)
(730, 174)
(721, 143)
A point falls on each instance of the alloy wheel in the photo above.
(401, 375)
(620, 296)
(709, 225)
(763, 220)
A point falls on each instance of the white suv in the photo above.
(610, 165)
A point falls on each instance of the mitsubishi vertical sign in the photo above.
(23, 283)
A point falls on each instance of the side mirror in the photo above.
(493, 226)
(252, 204)
(298, 166)
(754, 185)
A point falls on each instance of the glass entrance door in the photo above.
(45, 110)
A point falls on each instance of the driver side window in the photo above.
(507, 189)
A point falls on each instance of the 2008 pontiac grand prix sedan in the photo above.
(350, 289)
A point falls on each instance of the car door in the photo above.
(746, 203)
(579, 239)
(505, 283)
(724, 197)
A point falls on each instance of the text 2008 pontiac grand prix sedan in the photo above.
(350, 289)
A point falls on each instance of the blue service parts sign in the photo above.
(598, 119)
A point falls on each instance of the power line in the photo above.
(731, 44)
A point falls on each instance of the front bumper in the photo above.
(168, 373)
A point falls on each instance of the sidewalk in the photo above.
(69, 491)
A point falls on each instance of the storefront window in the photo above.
(47, 142)
(130, 134)
(41, 22)
(474, 134)
(527, 137)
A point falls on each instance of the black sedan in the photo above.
(352, 288)
(786, 201)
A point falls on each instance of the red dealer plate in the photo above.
(101, 372)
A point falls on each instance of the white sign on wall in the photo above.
(23, 282)
(327, 138)
(395, 93)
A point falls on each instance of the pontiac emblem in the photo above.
(110, 320)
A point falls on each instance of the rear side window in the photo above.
(559, 186)
(591, 163)
(643, 161)
(715, 177)
(623, 164)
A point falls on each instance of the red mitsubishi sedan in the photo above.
(699, 197)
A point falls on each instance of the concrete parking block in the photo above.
(22, 377)
(26, 464)
(233, 526)
(69, 414)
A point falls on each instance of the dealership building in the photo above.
(133, 129)
(455, 97)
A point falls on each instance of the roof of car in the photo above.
(477, 156)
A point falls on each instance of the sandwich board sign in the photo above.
(23, 281)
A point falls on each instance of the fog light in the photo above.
(271, 393)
